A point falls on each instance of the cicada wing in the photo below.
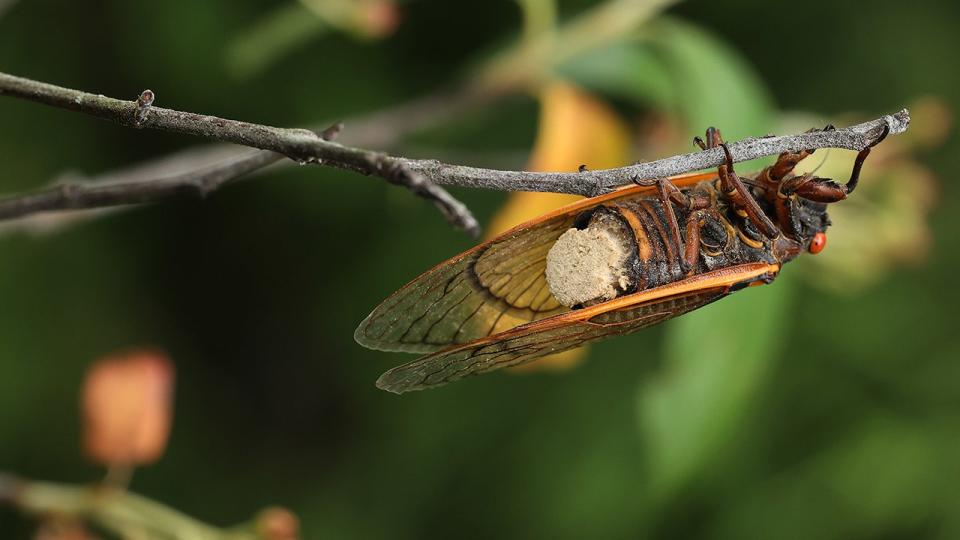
(573, 329)
(493, 287)
(490, 288)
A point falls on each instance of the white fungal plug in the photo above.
(590, 265)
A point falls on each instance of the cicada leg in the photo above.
(781, 186)
(689, 250)
(737, 192)
(861, 157)
(663, 191)
(786, 162)
(826, 190)
(692, 251)
(733, 188)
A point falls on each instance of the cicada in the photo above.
(603, 267)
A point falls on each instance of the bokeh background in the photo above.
(826, 405)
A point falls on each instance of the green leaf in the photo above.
(679, 68)
(884, 475)
(626, 70)
(712, 84)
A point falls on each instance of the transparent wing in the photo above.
(496, 286)
(573, 329)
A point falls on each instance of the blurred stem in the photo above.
(539, 18)
(530, 65)
(120, 512)
(340, 13)
(277, 33)
(5, 5)
(119, 476)
(293, 24)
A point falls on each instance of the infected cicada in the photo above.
(603, 267)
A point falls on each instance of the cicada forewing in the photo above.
(572, 329)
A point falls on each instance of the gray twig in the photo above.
(301, 145)
(231, 163)
(81, 195)
(596, 182)
(420, 176)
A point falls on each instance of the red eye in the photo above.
(818, 243)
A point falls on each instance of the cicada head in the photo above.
(813, 225)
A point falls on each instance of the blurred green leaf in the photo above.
(539, 16)
(626, 70)
(712, 83)
(684, 70)
(885, 476)
(715, 360)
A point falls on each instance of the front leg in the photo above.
(826, 190)
(734, 189)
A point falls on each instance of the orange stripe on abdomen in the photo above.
(644, 249)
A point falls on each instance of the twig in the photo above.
(75, 195)
(301, 145)
(306, 146)
(596, 182)
(121, 512)
(230, 163)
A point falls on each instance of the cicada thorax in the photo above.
(724, 238)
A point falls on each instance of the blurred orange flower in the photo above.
(575, 129)
(127, 408)
(378, 18)
(365, 18)
(277, 523)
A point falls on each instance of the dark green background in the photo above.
(255, 292)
